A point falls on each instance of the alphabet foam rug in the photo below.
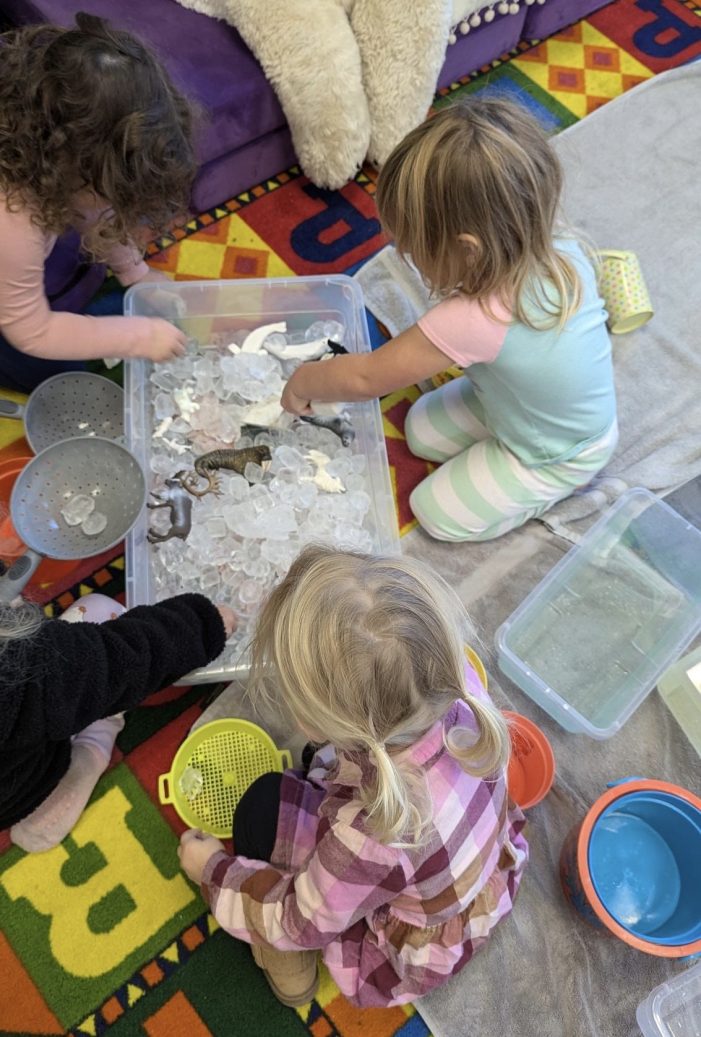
(104, 932)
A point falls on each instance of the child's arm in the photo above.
(256, 901)
(29, 324)
(402, 361)
(69, 674)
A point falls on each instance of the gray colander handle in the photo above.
(10, 409)
(18, 576)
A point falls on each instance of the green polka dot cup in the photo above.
(624, 291)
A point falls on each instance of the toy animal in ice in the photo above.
(352, 76)
(338, 424)
(335, 348)
(321, 478)
(232, 460)
(179, 501)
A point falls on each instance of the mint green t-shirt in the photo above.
(546, 394)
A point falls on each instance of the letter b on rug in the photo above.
(84, 915)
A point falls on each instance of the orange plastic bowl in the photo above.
(532, 764)
(11, 546)
(578, 885)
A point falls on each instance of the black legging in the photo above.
(255, 817)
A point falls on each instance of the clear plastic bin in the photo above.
(207, 308)
(674, 1008)
(589, 642)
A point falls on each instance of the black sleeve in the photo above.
(69, 674)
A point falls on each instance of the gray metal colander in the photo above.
(95, 467)
(69, 405)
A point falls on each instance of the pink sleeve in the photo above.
(28, 323)
(461, 329)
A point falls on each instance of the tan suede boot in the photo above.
(293, 975)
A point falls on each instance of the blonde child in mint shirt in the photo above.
(471, 196)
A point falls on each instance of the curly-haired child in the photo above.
(95, 138)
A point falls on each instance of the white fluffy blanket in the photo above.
(353, 76)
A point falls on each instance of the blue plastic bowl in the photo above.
(645, 864)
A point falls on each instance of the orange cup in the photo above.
(532, 764)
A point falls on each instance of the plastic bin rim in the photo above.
(662, 992)
(342, 280)
(592, 816)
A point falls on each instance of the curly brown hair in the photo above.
(91, 107)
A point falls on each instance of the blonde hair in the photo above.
(368, 653)
(481, 167)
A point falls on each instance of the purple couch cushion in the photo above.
(206, 58)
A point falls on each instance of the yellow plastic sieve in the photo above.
(213, 768)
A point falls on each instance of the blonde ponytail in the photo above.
(367, 653)
(487, 754)
(396, 806)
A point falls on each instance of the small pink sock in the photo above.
(101, 735)
(53, 819)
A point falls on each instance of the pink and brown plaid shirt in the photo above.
(392, 923)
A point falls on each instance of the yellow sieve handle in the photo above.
(164, 790)
(285, 757)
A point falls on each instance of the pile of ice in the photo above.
(314, 489)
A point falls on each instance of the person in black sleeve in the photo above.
(61, 685)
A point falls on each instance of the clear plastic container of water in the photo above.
(590, 641)
(224, 310)
(674, 1008)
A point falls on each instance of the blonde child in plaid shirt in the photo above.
(398, 851)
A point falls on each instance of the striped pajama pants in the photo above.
(481, 489)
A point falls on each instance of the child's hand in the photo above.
(229, 619)
(195, 850)
(293, 403)
(166, 341)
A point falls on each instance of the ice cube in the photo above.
(216, 527)
(253, 473)
(94, 524)
(286, 457)
(191, 783)
(77, 509)
(334, 330)
(315, 330)
(250, 594)
(163, 406)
